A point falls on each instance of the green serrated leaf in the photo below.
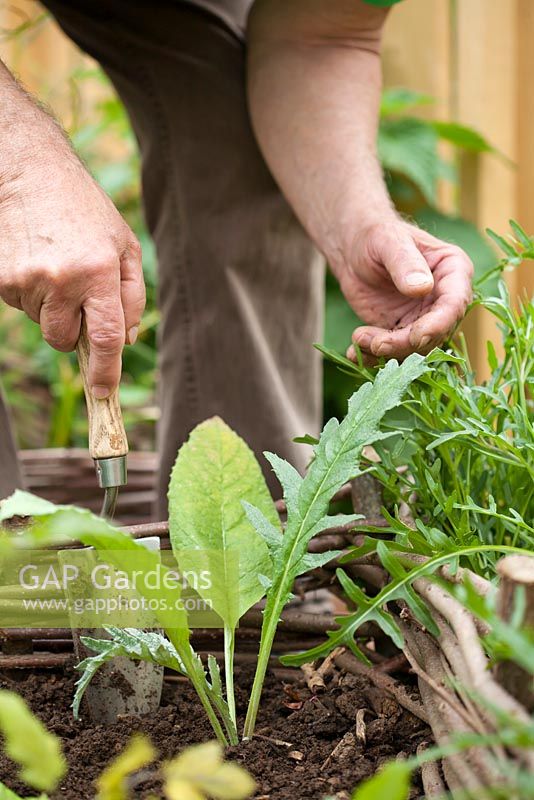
(66, 522)
(335, 462)
(373, 608)
(129, 642)
(272, 535)
(316, 560)
(290, 479)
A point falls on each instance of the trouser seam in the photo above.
(190, 387)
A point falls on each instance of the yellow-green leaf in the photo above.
(230, 782)
(178, 789)
(26, 740)
(113, 783)
(202, 770)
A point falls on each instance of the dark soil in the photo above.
(312, 725)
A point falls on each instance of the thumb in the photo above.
(405, 264)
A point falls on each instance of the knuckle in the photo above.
(104, 259)
(107, 339)
(57, 280)
(463, 259)
(15, 280)
(134, 247)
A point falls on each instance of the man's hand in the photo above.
(314, 91)
(411, 288)
(64, 250)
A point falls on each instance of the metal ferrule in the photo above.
(111, 471)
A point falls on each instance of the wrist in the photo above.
(353, 233)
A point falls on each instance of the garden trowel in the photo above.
(121, 686)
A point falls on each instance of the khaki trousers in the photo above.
(240, 284)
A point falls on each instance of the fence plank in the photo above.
(525, 129)
(477, 58)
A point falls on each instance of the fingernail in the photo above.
(424, 341)
(132, 334)
(384, 349)
(100, 392)
(418, 279)
(363, 341)
(351, 353)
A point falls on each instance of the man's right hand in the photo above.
(65, 250)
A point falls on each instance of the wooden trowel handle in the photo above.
(107, 437)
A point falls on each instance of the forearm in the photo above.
(64, 250)
(314, 91)
(27, 132)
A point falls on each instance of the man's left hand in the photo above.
(410, 289)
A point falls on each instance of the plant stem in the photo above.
(199, 687)
(229, 648)
(266, 643)
(212, 716)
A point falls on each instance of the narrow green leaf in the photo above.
(336, 358)
(306, 439)
(501, 242)
(418, 608)
(522, 237)
(492, 355)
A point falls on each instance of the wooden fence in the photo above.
(475, 57)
